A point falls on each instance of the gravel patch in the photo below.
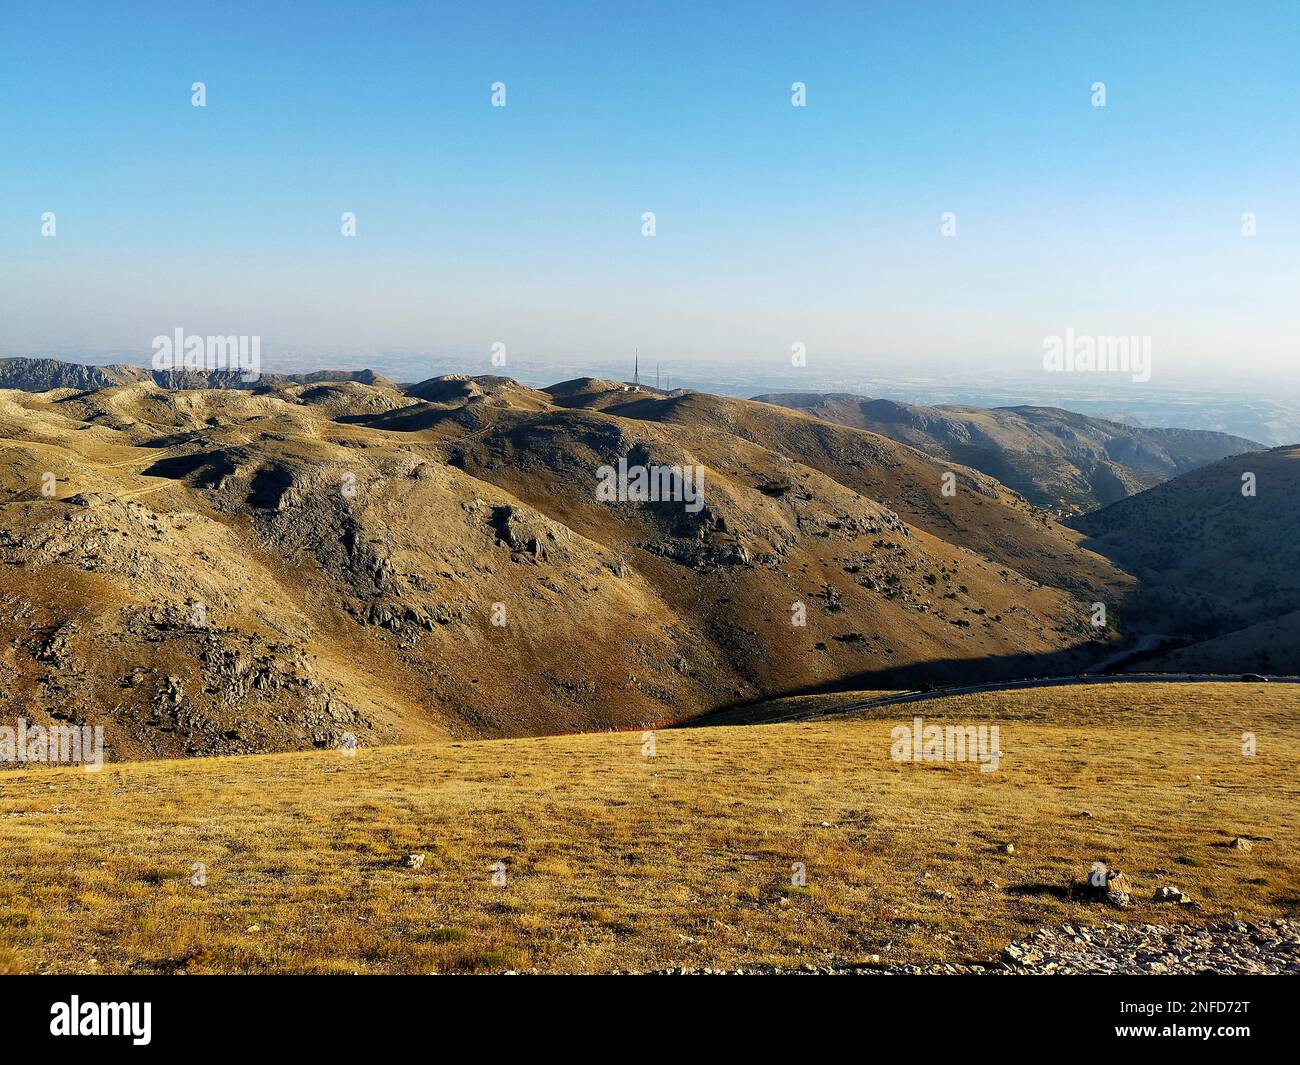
(1264, 948)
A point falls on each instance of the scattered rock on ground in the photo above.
(1264, 948)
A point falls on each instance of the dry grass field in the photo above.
(614, 860)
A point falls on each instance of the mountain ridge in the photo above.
(1055, 458)
(209, 571)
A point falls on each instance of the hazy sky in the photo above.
(775, 224)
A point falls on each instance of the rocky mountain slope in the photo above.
(216, 570)
(1053, 457)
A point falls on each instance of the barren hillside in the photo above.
(210, 571)
(1219, 568)
(1054, 457)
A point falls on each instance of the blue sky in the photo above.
(774, 224)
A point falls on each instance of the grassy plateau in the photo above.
(584, 853)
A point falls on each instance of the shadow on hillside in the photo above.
(923, 676)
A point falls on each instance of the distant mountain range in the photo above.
(1052, 457)
(44, 375)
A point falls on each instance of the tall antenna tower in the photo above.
(636, 367)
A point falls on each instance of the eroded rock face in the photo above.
(530, 535)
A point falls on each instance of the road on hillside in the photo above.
(1009, 685)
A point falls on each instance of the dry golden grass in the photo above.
(619, 861)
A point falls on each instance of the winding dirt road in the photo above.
(900, 698)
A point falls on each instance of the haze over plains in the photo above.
(774, 224)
